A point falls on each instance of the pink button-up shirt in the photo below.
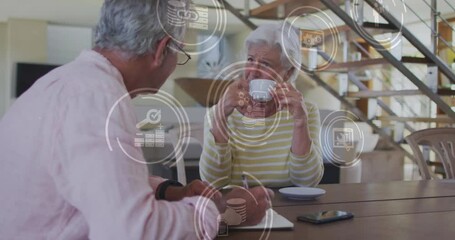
(60, 180)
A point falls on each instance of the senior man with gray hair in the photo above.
(58, 177)
(277, 141)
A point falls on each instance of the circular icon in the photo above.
(312, 39)
(154, 137)
(193, 16)
(342, 145)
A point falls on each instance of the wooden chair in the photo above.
(442, 142)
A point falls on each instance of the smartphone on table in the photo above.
(325, 216)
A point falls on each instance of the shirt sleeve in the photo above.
(215, 165)
(155, 181)
(307, 170)
(109, 184)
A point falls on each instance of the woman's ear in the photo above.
(289, 73)
(161, 51)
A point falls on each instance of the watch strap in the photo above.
(161, 191)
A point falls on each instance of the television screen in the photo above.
(28, 73)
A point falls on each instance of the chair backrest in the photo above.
(441, 141)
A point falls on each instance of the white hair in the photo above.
(284, 36)
(134, 27)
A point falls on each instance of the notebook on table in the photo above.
(272, 220)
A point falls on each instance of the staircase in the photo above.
(427, 88)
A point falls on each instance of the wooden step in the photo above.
(377, 62)
(393, 93)
(376, 94)
(206, 92)
(439, 119)
(270, 10)
(446, 92)
(381, 26)
(416, 60)
(371, 28)
(357, 64)
(331, 31)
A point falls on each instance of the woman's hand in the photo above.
(289, 98)
(292, 100)
(235, 96)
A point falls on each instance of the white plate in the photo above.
(302, 193)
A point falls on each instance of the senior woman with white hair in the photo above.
(277, 142)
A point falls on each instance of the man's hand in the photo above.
(195, 188)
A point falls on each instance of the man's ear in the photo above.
(160, 51)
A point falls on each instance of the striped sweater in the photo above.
(262, 149)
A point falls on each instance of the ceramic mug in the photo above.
(260, 89)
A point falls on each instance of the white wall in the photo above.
(3, 81)
(64, 43)
(26, 42)
(237, 42)
(422, 33)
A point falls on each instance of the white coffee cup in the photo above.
(260, 89)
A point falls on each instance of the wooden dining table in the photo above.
(390, 210)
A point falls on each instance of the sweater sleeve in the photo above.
(216, 160)
(307, 170)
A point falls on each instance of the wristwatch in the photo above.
(161, 191)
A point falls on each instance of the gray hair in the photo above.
(285, 37)
(134, 27)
